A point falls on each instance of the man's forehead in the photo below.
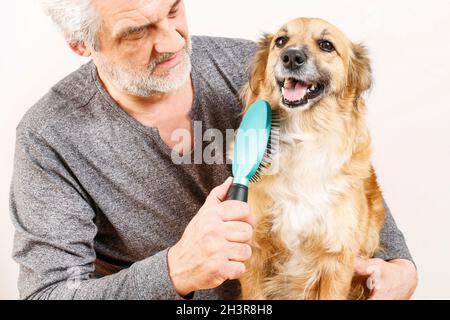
(117, 14)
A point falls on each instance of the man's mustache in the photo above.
(166, 56)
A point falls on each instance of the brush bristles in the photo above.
(271, 150)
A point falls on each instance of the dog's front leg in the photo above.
(336, 278)
(252, 279)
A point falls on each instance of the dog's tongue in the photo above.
(294, 91)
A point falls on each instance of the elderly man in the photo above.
(100, 209)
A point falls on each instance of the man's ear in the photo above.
(360, 72)
(80, 49)
(257, 74)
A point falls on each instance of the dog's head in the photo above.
(305, 63)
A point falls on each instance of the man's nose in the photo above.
(168, 39)
(293, 58)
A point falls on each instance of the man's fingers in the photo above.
(233, 270)
(238, 231)
(239, 252)
(233, 210)
(370, 268)
(373, 295)
(219, 193)
(365, 267)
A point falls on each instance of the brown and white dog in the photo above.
(323, 206)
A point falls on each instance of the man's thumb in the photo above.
(364, 267)
(219, 193)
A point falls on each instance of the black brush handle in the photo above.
(238, 192)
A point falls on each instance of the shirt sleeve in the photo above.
(392, 241)
(55, 231)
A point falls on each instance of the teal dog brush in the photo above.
(255, 145)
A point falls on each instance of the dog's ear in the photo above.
(257, 71)
(360, 71)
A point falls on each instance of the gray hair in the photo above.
(78, 20)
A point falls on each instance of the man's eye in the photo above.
(137, 31)
(326, 46)
(281, 41)
(173, 13)
(135, 34)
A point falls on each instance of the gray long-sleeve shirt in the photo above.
(96, 199)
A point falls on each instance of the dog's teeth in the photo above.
(282, 91)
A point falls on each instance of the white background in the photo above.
(409, 105)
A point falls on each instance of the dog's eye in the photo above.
(281, 41)
(326, 46)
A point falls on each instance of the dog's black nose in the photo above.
(293, 58)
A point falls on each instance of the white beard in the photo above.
(143, 83)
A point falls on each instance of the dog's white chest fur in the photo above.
(301, 191)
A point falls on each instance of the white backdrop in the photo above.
(409, 105)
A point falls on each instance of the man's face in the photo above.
(144, 45)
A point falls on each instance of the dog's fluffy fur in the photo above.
(322, 207)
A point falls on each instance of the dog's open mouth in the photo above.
(296, 93)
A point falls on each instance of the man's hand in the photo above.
(214, 244)
(393, 280)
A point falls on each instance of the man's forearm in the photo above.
(144, 280)
(392, 241)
